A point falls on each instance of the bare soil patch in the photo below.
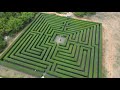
(9, 73)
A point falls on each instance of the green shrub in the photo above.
(81, 14)
(2, 44)
(11, 23)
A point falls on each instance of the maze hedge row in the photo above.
(36, 52)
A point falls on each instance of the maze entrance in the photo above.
(57, 47)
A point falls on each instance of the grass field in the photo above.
(36, 52)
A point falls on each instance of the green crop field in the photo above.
(36, 52)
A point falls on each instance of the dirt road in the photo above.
(9, 73)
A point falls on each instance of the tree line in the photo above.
(82, 14)
(11, 23)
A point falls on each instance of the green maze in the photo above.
(36, 52)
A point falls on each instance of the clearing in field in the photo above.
(57, 47)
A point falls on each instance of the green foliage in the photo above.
(2, 25)
(1, 14)
(26, 16)
(81, 14)
(36, 52)
(2, 43)
(13, 22)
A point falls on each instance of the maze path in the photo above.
(36, 51)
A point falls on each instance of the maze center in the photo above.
(59, 40)
(58, 47)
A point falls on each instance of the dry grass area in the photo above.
(9, 73)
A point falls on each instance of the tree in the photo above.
(2, 25)
(11, 23)
(1, 14)
(2, 43)
(26, 16)
(14, 24)
(81, 14)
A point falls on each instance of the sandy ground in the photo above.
(111, 40)
(111, 43)
(10, 73)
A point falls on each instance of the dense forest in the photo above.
(11, 23)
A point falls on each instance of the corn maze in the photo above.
(36, 52)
